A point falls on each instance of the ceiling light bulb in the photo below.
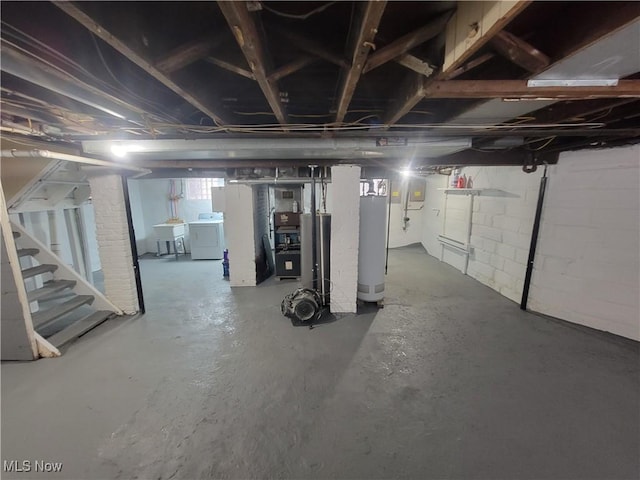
(119, 151)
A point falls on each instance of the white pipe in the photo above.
(273, 181)
(322, 289)
(36, 153)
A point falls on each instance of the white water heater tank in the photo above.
(371, 255)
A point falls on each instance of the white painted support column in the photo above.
(112, 233)
(345, 237)
(239, 237)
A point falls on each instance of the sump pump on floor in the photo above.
(306, 305)
(303, 305)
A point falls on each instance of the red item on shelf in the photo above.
(462, 181)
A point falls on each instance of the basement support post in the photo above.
(314, 237)
(114, 242)
(132, 242)
(534, 241)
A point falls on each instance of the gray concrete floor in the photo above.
(449, 380)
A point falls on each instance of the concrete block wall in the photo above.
(112, 234)
(413, 233)
(433, 213)
(587, 263)
(501, 229)
(239, 234)
(345, 226)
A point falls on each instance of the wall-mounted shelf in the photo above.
(467, 191)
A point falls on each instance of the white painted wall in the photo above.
(399, 237)
(587, 264)
(89, 218)
(345, 225)
(150, 206)
(239, 235)
(112, 233)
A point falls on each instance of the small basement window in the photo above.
(200, 188)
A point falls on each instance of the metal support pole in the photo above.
(534, 241)
(314, 246)
(132, 242)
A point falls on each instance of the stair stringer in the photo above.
(65, 272)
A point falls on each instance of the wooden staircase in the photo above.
(60, 314)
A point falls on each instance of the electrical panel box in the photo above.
(417, 187)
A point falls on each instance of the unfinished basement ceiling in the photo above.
(366, 82)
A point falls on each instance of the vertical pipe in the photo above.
(53, 232)
(386, 260)
(534, 241)
(314, 243)
(132, 242)
(469, 226)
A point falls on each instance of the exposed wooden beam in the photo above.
(361, 44)
(520, 52)
(103, 33)
(245, 29)
(188, 53)
(291, 67)
(231, 67)
(23, 66)
(496, 157)
(564, 112)
(408, 96)
(407, 42)
(312, 47)
(470, 65)
(473, 25)
(414, 63)
(518, 89)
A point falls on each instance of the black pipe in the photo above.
(314, 253)
(132, 242)
(534, 241)
(386, 260)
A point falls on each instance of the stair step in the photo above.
(27, 252)
(47, 316)
(48, 288)
(79, 328)
(16, 234)
(39, 270)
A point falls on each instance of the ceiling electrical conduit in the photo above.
(36, 153)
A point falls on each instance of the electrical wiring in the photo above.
(546, 144)
(35, 44)
(297, 17)
(147, 102)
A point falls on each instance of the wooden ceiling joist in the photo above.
(312, 47)
(576, 110)
(291, 67)
(470, 65)
(518, 89)
(407, 42)
(468, 30)
(473, 25)
(361, 44)
(231, 67)
(520, 52)
(188, 53)
(246, 31)
(104, 34)
(408, 96)
(414, 63)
